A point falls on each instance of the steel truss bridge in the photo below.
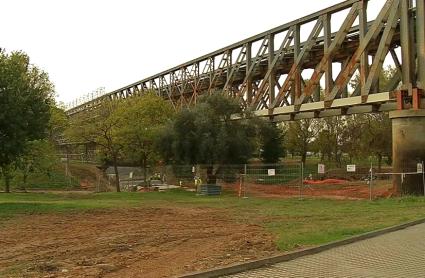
(280, 75)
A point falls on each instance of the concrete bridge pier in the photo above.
(408, 134)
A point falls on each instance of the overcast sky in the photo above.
(86, 44)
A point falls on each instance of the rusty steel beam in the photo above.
(420, 42)
(407, 52)
(271, 79)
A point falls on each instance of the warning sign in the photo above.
(321, 168)
(351, 168)
(271, 172)
(420, 168)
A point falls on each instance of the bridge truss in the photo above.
(280, 73)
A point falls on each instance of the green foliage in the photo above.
(330, 140)
(25, 97)
(359, 136)
(299, 136)
(124, 129)
(207, 135)
(271, 137)
(39, 157)
(377, 136)
(141, 119)
(101, 127)
(58, 123)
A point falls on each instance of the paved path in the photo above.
(397, 254)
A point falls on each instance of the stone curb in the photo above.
(296, 254)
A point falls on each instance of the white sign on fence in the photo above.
(419, 168)
(321, 168)
(271, 172)
(351, 168)
(193, 169)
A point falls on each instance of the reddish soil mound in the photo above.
(326, 181)
(336, 189)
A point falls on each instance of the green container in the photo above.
(210, 189)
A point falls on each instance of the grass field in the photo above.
(295, 222)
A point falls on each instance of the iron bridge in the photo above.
(278, 74)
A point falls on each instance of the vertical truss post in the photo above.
(292, 93)
(327, 43)
(407, 52)
(229, 64)
(344, 91)
(272, 75)
(297, 74)
(364, 59)
(420, 42)
(316, 94)
(248, 74)
(375, 87)
(196, 83)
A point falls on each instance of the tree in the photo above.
(39, 157)
(100, 126)
(352, 135)
(377, 136)
(299, 136)
(271, 138)
(207, 135)
(58, 123)
(141, 119)
(330, 137)
(25, 97)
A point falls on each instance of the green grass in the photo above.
(55, 181)
(295, 222)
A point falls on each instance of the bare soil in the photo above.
(350, 190)
(136, 242)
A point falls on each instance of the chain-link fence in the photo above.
(286, 179)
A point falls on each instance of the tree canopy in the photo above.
(26, 95)
(141, 119)
(207, 135)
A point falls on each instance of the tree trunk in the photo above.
(7, 183)
(211, 177)
(5, 172)
(338, 159)
(145, 170)
(24, 186)
(117, 176)
(304, 157)
(379, 162)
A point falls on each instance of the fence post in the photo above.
(302, 179)
(371, 180)
(240, 185)
(244, 180)
(423, 176)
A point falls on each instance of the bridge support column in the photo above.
(408, 134)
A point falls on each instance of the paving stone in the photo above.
(396, 254)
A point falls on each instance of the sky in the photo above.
(87, 44)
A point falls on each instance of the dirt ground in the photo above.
(136, 242)
(349, 190)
